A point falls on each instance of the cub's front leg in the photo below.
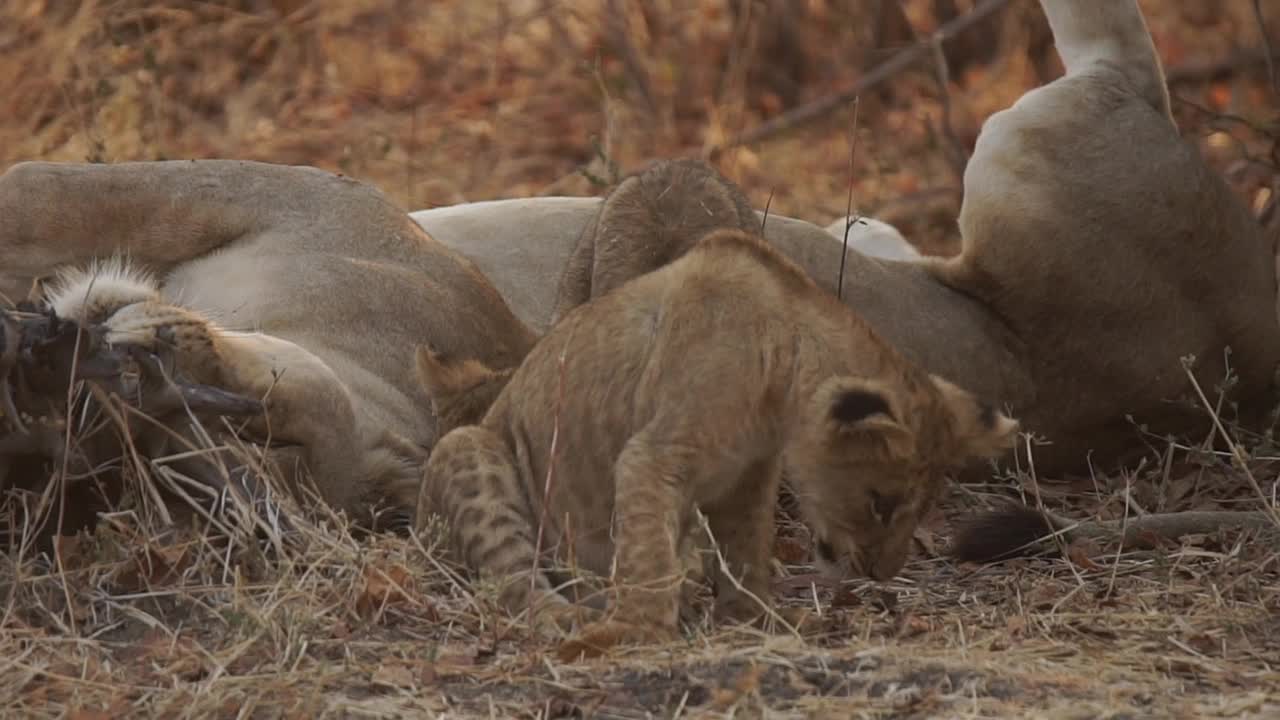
(651, 502)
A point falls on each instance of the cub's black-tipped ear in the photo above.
(860, 408)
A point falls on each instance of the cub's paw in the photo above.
(554, 621)
(599, 638)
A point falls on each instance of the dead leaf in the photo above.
(927, 541)
(1219, 96)
(791, 551)
(168, 656)
(1079, 555)
(1149, 539)
(394, 674)
(74, 551)
(385, 587)
(152, 565)
(845, 597)
(910, 626)
(119, 706)
(745, 683)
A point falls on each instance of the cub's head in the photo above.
(871, 459)
(461, 390)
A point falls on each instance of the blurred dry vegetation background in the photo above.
(450, 101)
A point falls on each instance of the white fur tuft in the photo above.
(90, 294)
(875, 238)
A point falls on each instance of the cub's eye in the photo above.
(883, 505)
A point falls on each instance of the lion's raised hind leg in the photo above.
(471, 483)
(1087, 32)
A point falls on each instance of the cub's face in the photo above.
(863, 516)
(864, 474)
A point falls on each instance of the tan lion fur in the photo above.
(691, 386)
(648, 220)
(1110, 250)
(287, 284)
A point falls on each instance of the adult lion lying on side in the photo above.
(303, 289)
(1099, 251)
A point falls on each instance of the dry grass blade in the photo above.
(1237, 452)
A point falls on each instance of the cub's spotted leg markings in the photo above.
(471, 483)
(649, 507)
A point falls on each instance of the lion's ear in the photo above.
(862, 409)
(442, 376)
(980, 431)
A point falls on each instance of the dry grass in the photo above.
(176, 620)
(443, 102)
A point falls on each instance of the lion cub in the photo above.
(690, 387)
(651, 218)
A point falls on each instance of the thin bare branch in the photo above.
(1266, 46)
(818, 108)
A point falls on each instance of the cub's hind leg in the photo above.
(471, 483)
